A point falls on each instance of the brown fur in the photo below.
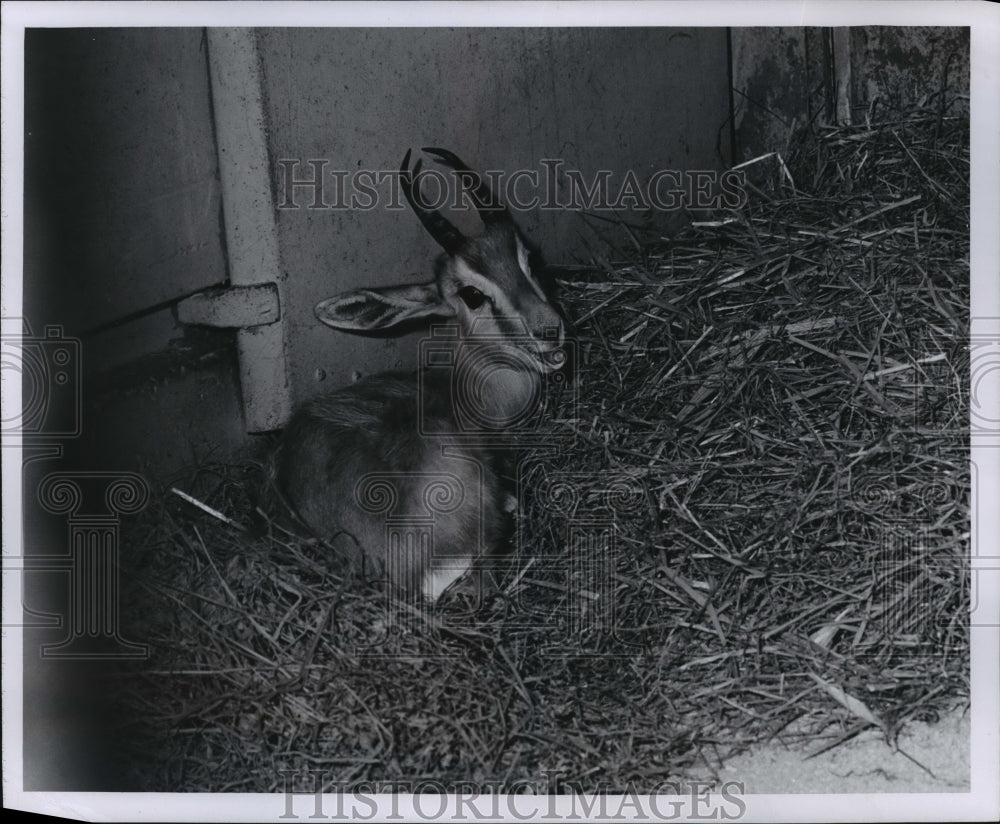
(335, 440)
(337, 446)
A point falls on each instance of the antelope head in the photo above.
(484, 283)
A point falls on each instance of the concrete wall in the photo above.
(503, 99)
(123, 217)
(123, 198)
(784, 77)
(900, 65)
(121, 176)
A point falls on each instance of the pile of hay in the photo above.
(757, 525)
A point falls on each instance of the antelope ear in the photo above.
(369, 310)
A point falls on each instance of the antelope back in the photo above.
(352, 468)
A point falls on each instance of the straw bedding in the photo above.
(748, 519)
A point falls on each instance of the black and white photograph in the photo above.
(501, 411)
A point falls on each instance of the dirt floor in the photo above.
(865, 764)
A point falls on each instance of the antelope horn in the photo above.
(439, 228)
(490, 209)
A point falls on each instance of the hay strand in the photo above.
(766, 454)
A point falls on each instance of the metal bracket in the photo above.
(232, 307)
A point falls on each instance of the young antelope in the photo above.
(405, 471)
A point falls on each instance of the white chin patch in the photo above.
(522, 259)
(436, 581)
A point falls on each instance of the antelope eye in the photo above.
(472, 297)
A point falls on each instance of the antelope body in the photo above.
(405, 471)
